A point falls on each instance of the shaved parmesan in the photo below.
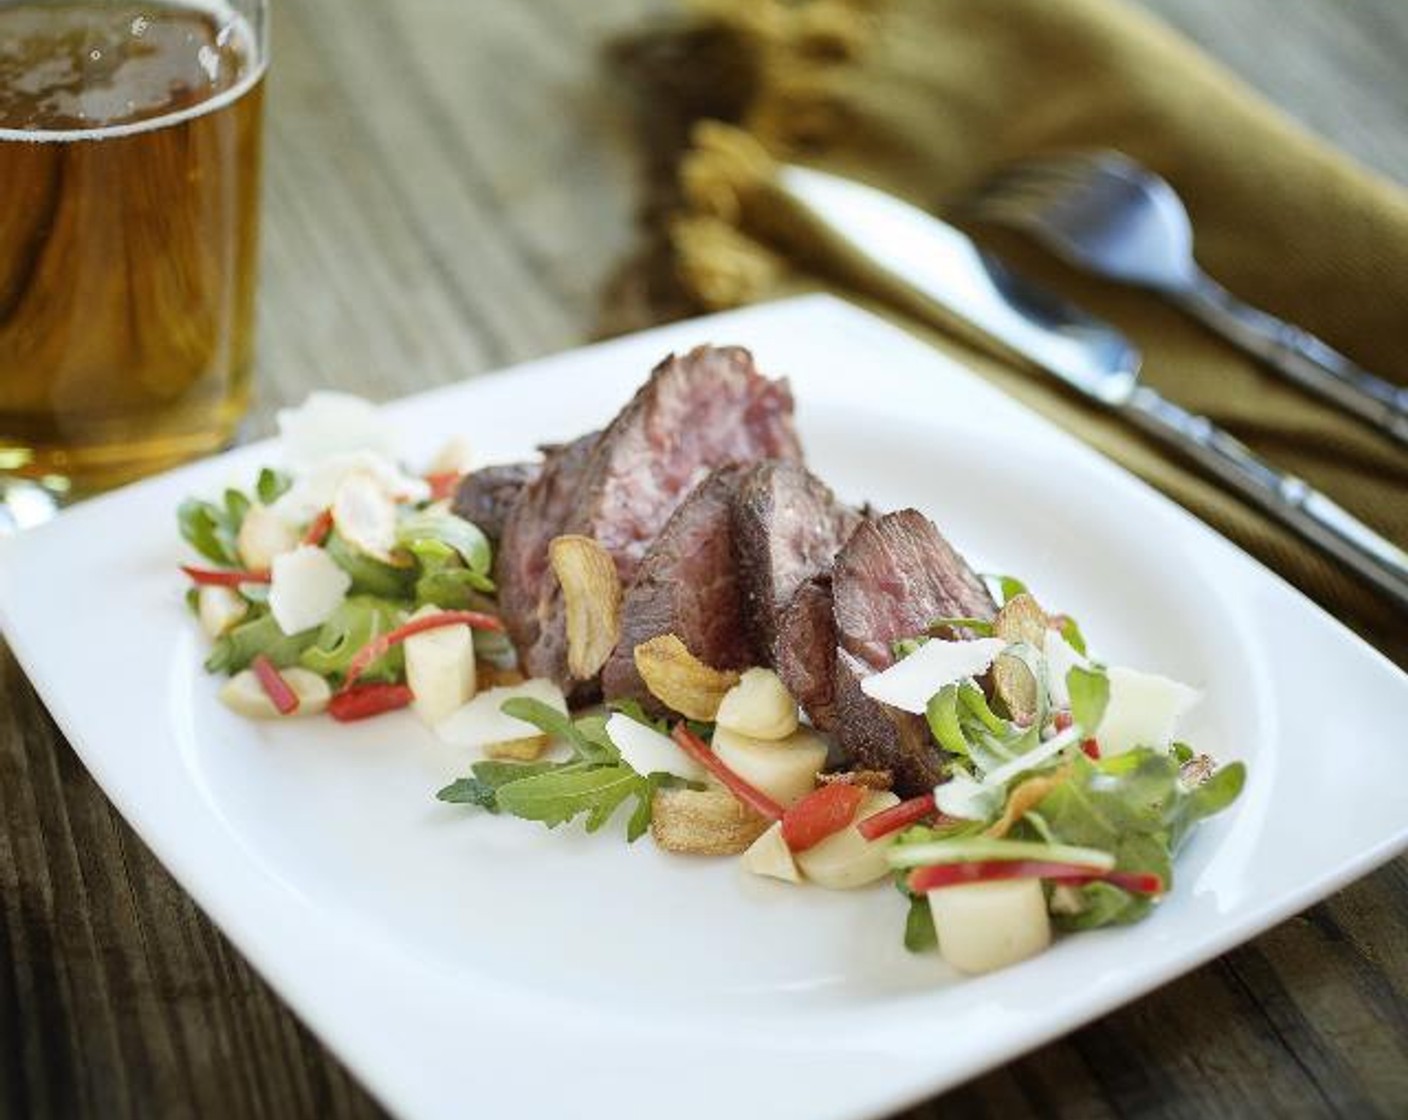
(1143, 711)
(331, 423)
(365, 515)
(481, 723)
(1061, 658)
(911, 683)
(314, 490)
(647, 751)
(769, 855)
(305, 587)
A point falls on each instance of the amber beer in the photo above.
(129, 184)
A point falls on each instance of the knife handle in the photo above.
(1300, 356)
(1289, 499)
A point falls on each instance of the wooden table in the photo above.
(449, 186)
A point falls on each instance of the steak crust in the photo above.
(788, 526)
(894, 576)
(698, 411)
(687, 585)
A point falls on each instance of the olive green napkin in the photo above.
(925, 98)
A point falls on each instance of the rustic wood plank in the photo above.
(449, 185)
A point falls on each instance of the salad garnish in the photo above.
(342, 583)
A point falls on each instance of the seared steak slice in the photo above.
(893, 577)
(896, 575)
(788, 526)
(697, 412)
(804, 654)
(487, 495)
(878, 737)
(539, 514)
(686, 585)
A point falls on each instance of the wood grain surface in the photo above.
(449, 186)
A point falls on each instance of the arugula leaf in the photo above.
(489, 775)
(465, 538)
(1008, 587)
(236, 506)
(587, 736)
(920, 936)
(354, 623)
(238, 646)
(206, 528)
(444, 581)
(639, 824)
(370, 576)
(1090, 695)
(901, 648)
(942, 714)
(1070, 630)
(470, 791)
(562, 794)
(1101, 904)
(271, 485)
(1222, 788)
(983, 627)
(1134, 806)
(594, 784)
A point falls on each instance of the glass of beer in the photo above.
(130, 139)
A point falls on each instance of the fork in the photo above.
(1103, 212)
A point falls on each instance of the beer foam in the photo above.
(245, 42)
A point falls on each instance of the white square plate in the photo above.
(460, 961)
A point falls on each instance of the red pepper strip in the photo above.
(380, 644)
(443, 484)
(319, 528)
(698, 750)
(275, 687)
(897, 817)
(369, 700)
(989, 870)
(1063, 722)
(822, 813)
(1136, 882)
(223, 577)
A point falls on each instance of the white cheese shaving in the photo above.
(315, 490)
(647, 751)
(1143, 711)
(305, 587)
(909, 684)
(365, 515)
(1061, 658)
(480, 723)
(330, 423)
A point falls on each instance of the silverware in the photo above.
(1105, 213)
(942, 269)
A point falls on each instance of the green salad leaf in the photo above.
(488, 776)
(356, 621)
(562, 794)
(1135, 806)
(464, 539)
(207, 528)
(920, 935)
(271, 485)
(241, 644)
(369, 575)
(593, 784)
(1090, 695)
